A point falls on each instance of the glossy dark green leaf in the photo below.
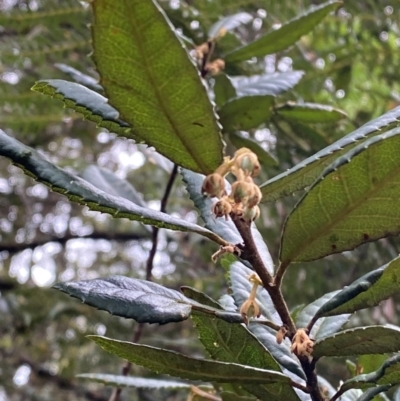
(369, 290)
(80, 191)
(354, 201)
(131, 381)
(307, 171)
(178, 365)
(200, 297)
(173, 115)
(267, 84)
(325, 326)
(244, 113)
(310, 112)
(223, 89)
(79, 77)
(108, 182)
(89, 103)
(264, 157)
(287, 35)
(221, 227)
(229, 23)
(359, 341)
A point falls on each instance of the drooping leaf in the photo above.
(223, 89)
(200, 297)
(354, 201)
(226, 229)
(229, 23)
(132, 381)
(287, 35)
(325, 326)
(85, 101)
(359, 341)
(371, 393)
(155, 85)
(178, 365)
(265, 158)
(244, 113)
(80, 191)
(79, 77)
(307, 171)
(310, 112)
(266, 84)
(108, 182)
(369, 290)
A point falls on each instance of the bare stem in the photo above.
(280, 272)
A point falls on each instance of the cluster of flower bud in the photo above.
(245, 195)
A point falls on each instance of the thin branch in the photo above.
(280, 272)
(300, 386)
(337, 395)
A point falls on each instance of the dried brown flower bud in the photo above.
(255, 196)
(213, 185)
(250, 214)
(215, 67)
(302, 345)
(222, 208)
(241, 190)
(280, 335)
(249, 309)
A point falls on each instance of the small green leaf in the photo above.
(359, 341)
(131, 381)
(244, 113)
(154, 84)
(80, 191)
(200, 297)
(354, 201)
(287, 35)
(178, 365)
(369, 290)
(310, 112)
(79, 77)
(223, 89)
(267, 84)
(229, 23)
(85, 101)
(264, 157)
(307, 171)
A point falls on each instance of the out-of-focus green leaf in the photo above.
(229, 23)
(307, 171)
(108, 182)
(89, 103)
(131, 381)
(226, 229)
(178, 365)
(223, 89)
(266, 84)
(288, 34)
(359, 341)
(310, 112)
(80, 191)
(323, 327)
(264, 157)
(247, 112)
(80, 77)
(139, 58)
(354, 201)
(228, 396)
(369, 290)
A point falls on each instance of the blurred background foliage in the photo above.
(351, 61)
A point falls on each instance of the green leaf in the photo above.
(108, 182)
(244, 113)
(288, 34)
(369, 290)
(223, 89)
(371, 393)
(85, 101)
(325, 326)
(178, 365)
(80, 191)
(307, 171)
(226, 229)
(131, 381)
(264, 157)
(354, 201)
(228, 396)
(229, 23)
(266, 84)
(310, 112)
(149, 78)
(200, 297)
(79, 77)
(359, 341)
